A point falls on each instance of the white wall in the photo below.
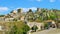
(0, 27)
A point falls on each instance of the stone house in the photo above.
(51, 23)
(31, 24)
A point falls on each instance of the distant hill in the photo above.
(1, 15)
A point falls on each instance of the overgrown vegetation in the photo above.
(18, 28)
(42, 15)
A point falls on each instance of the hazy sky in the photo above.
(8, 5)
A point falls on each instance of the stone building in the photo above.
(31, 24)
(51, 23)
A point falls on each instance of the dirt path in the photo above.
(50, 31)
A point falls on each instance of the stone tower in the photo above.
(19, 13)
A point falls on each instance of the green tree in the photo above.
(19, 28)
(12, 11)
(13, 30)
(14, 19)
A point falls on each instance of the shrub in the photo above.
(19, 28)
(46, 26)
(14, 19)
(34, 28)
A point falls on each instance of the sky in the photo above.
(6, 6)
